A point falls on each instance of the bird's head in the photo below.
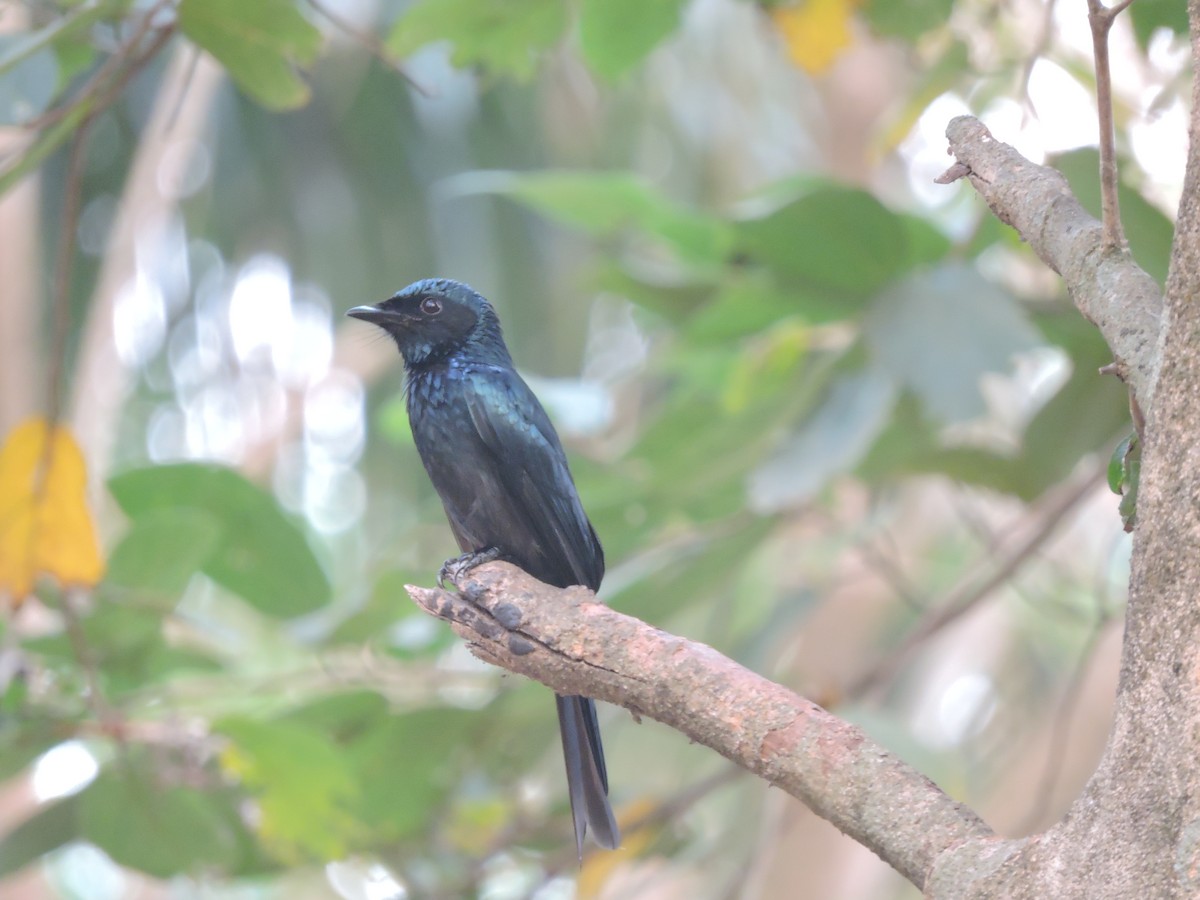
(436, 318)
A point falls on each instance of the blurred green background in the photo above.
(826, 416)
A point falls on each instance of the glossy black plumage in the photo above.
(497, 464)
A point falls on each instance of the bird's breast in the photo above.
(439, 410)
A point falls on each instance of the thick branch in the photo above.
(567, 640)
(1105, 284)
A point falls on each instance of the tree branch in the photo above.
(1100, 19)
(576, 645)
(1105, 284)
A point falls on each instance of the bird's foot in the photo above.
(454, 569)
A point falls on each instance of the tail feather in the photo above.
(587, 777)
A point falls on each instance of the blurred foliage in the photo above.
(255, 689)
(259, 45)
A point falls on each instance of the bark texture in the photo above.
(576, 645)
(1107, 286)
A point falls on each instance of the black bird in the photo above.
(496, 462)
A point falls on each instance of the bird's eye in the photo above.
(431, 306)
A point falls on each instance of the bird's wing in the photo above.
(537, 483)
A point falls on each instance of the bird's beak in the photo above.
(375, 315)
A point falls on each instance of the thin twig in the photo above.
(888, 568)
(61, 305)
(101, 78)
(370, 43)
(113, 90)
(881, 563)
(1100, 19)
(72, 201)
(100, 93)
(108, 719)
(970, 593)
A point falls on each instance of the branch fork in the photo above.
(1107, 286)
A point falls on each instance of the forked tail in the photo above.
(587, 779)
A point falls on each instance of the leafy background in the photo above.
(826, 416)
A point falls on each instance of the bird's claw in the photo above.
(454, 569)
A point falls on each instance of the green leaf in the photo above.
(75, 54)
(259, 43)
(1150, 15)
(616, 35)
(938, 331)
(1086, 414)
(1124, 476)
(125, 643)
(747, 303)
(908, 20)
(164, 661)
(400, 800)
(694, 458)
(1116, 465)
(163, 831)
(114, 631)
(342, 716)
(596, 202)
(30, 44)
(506, 37)
(832, 440)
(1083, 417)
(752, 300)
(834, 237)
(911, 445)
(26, 732)
(50, 827)
(672, 302)
(262, 555)
(927, 244)
(605, 203)
(161, 552)
(908, 438)
(1133, 474)
(305, 791)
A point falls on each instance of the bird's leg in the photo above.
(453, 569)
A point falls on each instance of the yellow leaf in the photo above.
(815, 31)
(598, 868)
(45, 525)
